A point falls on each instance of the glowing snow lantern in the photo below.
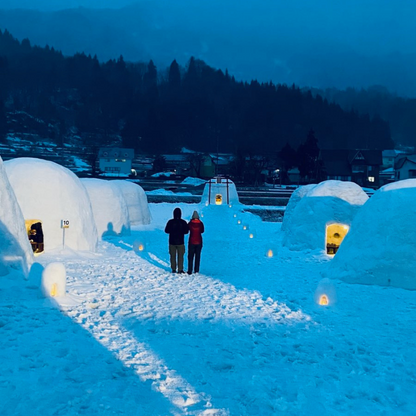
(53, 282)
(235, 215)
(239, 222)
(138, 246)
(251, 235)
(218, 199)
(270, 253)
(323, 300)
(244, 227)
(230, 206)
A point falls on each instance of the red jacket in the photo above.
(196, 228)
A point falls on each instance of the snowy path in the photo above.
(244, 337)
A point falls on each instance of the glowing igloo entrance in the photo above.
(35, 235)
(335, 233)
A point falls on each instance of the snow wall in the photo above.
(136, 201)
(209, 194)
(381, 245)
(15, 250)
(329, 202)
(109, 207)
(51, 193)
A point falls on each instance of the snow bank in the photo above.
(15, 250)
(316, 207)
(109, 207)
(136, 201)
(51, 193)
(220, 186)
(381, 245)
(193, 181)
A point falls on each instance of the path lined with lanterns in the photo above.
(245, 336)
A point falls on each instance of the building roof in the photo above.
(399, 163)
(119, 152)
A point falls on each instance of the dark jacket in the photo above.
(196, 228)
(176, 228)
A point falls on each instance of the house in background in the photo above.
(361, 166)
(405, 167)
(115, 161)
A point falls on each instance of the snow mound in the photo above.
(297, 195)
(316, 207)
(220, 186)
(136, 201)
(15, 250)
(109, 207)
(193, 181)
(51, 193)
(380, 247)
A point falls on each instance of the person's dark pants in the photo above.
(194, 250)
(176, 251)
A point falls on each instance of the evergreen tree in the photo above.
(307, 154)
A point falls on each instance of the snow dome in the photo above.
(296, 196)
(219, 191)
(49, 194)
(136, 201)
(109, 207)
(381, 246)
(15, 249)
(322, 216)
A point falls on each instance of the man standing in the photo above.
(176, 228)
(196, 228)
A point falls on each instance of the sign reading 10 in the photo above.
(64, 223)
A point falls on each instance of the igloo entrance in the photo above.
(35, 234)
(335, 233)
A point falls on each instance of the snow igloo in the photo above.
(136, 201)
(381, 246)
(219, 191)
(15, 250)
(109, 207)
(50, 195)
(321, 216)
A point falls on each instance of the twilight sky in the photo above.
(318, 43)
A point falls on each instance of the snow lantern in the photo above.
(109, 207)
(15, 250)
(322, 215)
(49, 194)
(380, 247)
(136, 201)
(219, 191)
(54, 280)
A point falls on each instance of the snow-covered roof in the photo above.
(136, 200)
(315, 207)
(109, 207)
(51, 193)
(220, 186)
(15, 250)
(380, 247)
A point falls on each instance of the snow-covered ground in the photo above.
(243, 337)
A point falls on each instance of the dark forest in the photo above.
(153, 111)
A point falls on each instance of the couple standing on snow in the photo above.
(177, 228)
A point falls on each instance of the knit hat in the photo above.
(195, 216)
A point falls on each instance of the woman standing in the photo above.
(196, 228)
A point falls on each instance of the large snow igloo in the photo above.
(109, 207)
(15, 250)
(136, 200)
(49, 194)
(219, 191)
(321, 216)
(381, 246)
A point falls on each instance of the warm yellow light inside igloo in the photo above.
(335, 233)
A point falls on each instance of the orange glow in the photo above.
(54, 290)
(270, 253)
(141, 247)
(251, 236)
(323, 300)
